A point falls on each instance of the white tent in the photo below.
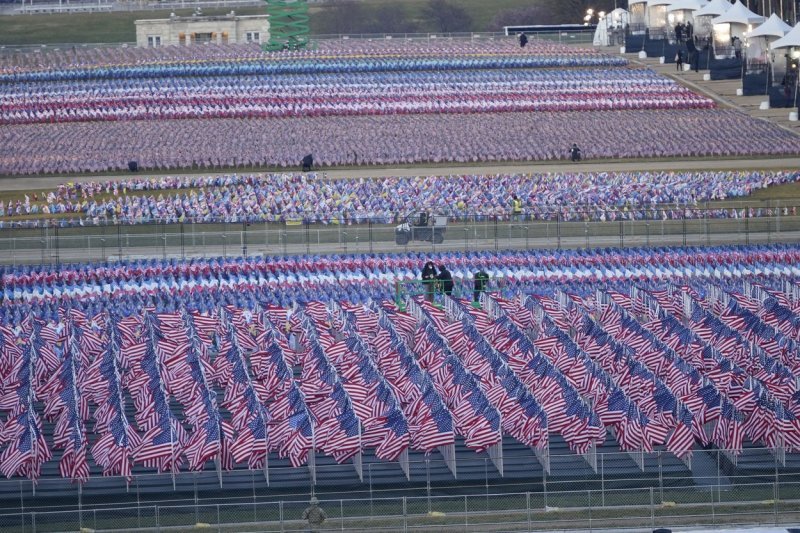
(758, 40)
(636, 13)
(657, 13)
(683, 10)
(611, 26)
(790, 40)
(773, 27)
(703, 16)
(738, 14)
(735, 22)
(713, 9)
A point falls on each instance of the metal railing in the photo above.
(558, 229)
(618, 495)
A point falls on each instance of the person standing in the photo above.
(429, 280)
(481, 279)
(315, 516)
(679, 61)
(445, 280)
(516, 208)
(575, 153)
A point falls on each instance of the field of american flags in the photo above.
(150, 367)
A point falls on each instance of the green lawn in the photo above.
(119, 26)
(116, 27)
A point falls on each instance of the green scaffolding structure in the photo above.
(288, 24)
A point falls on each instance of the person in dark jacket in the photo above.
(481, 279)
(575, 153)
(429, 280)
(445, 280)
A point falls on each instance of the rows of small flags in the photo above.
(660, 365)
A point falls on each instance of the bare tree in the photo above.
(392, 18)
(523, 16)
(447, 17)
(346, 17)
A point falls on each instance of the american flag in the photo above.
(162, 444)
(430, 422)
(67, 404)
(337, 429)
(113, 451)
(26, 449)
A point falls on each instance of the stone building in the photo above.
(194, 30)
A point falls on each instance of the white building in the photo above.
(194, 30)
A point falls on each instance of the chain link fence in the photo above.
(714, 489)
(53, 244)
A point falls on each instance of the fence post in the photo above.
(652, 510)
(370, 239)
(558, 227)
(244, 238)
(775, 500)
(369, 474)
(280, 514)
(33, 522)
(647, 225)
(589, 497)
(405, 515)
(428, 481)
(119, 242)
(528, 508)
(466, 516)
(747, 225)
(57, 245)
(183, 244)
(544, 487)
(308, 236)
(341, 513)
(42, 242)
(586, 232)
(660, 477)
(684, 225)
(713, 510)
(164, 240)
(622, 233)
(219, 525)
(602, 482)
(158, 521)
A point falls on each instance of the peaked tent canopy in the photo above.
(713, 8)
(615, 20)
(686, 5)
(773, 27)
(738, 14)
(790, 40)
